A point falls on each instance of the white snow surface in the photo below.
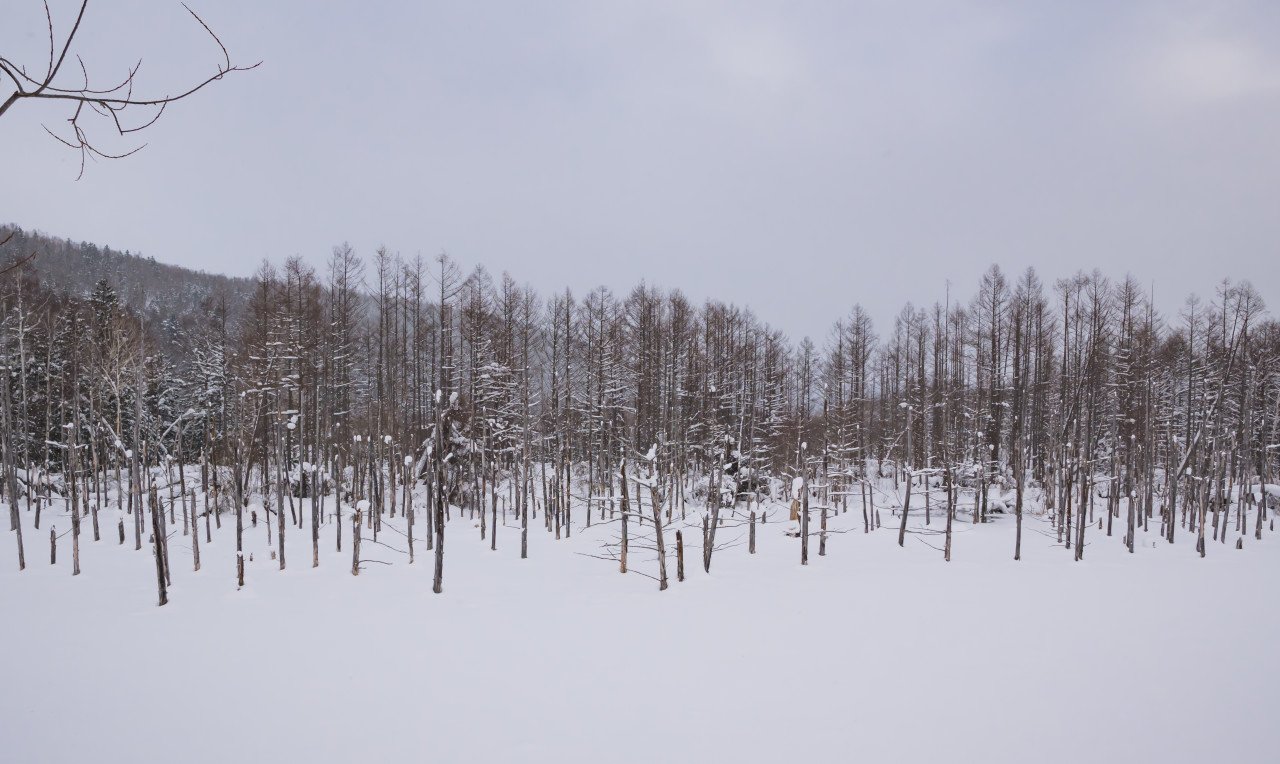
(871, 653)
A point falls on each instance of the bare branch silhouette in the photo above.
(106, 102)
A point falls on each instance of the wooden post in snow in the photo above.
(157, 534)
(355, 542)
(195, 532)
(626, 509)
(822, 537)
(679, 556)
(804, 516)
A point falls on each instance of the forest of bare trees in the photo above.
(335, 398)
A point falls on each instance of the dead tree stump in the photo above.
(355, 543)
(822, 537)
(679, 556)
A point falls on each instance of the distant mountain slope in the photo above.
(160, 291)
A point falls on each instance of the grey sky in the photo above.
(797, 157)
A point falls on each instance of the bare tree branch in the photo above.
(109, 102)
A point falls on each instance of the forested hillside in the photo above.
(165, 294)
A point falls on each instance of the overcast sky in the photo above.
(797, 157)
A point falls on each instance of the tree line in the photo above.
(345, 387)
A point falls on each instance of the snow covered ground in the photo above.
(871, 653)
